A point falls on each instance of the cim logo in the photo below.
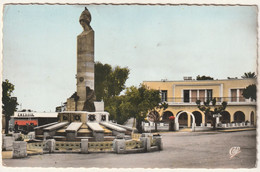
(25, 115)
(234, 151)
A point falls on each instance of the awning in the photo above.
(24, 122)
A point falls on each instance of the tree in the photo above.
(249, 75)
(204, 77)
(250, 92)
(210, 108)
(115, 106)
(154, 113)
(9, 103)
(109, 81)
(139, 101)
(102, 73)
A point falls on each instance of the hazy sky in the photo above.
(154, 42)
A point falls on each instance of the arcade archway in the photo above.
(225, 118)
(166, 115)
(198, 118)
(177, 120)
(239, 117)
(183, 119)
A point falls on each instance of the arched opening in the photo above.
(166, 115)
(225, 118)
(183, 120)
(239, 116)
(252, 117)
(198, 118)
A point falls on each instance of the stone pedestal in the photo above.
(85, 66)
(8, 143)
(119, 146)
(49, 145)
(84, 146)
(19, 149)
(146, 141)
(158, 142)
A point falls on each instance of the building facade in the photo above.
(182, 96)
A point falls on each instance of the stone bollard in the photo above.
(84, 146)
(49, 145)
(17, 135)
(158, 142)
(119, 146)
(8, 143)
(19, 149)
(146, 142)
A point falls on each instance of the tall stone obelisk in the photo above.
(85, 96)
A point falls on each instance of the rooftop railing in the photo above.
(192, 100)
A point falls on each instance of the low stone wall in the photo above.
(146, 143)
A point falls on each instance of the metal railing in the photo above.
(100, 146)
(36, 145)
(67, 145)
(203, 99)
(133, 144)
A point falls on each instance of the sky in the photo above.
(154, 42)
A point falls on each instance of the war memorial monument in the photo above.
(85, 126)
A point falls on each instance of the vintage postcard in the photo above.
(156, 85)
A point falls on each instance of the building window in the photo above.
(241, 97)
(164, 95)
(186, 96)
(236, 95)
(194, 95)
(233, 95)
(202, 95)
(209, 95)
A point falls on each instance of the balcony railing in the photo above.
(230, 100)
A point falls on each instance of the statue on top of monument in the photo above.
(85, 19)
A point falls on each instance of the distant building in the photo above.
(34, 119)
(182, 96)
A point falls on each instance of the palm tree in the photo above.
(249, 75)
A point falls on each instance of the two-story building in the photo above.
(182, 96)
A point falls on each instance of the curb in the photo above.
(236, 130)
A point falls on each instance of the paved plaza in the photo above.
(181, 150)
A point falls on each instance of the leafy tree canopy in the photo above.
(109, 81)
(250, 92)
(204, 77)
(249, 75)
(9, 103)
(210, 107)
(139, 101)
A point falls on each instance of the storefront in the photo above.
(26, 120)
